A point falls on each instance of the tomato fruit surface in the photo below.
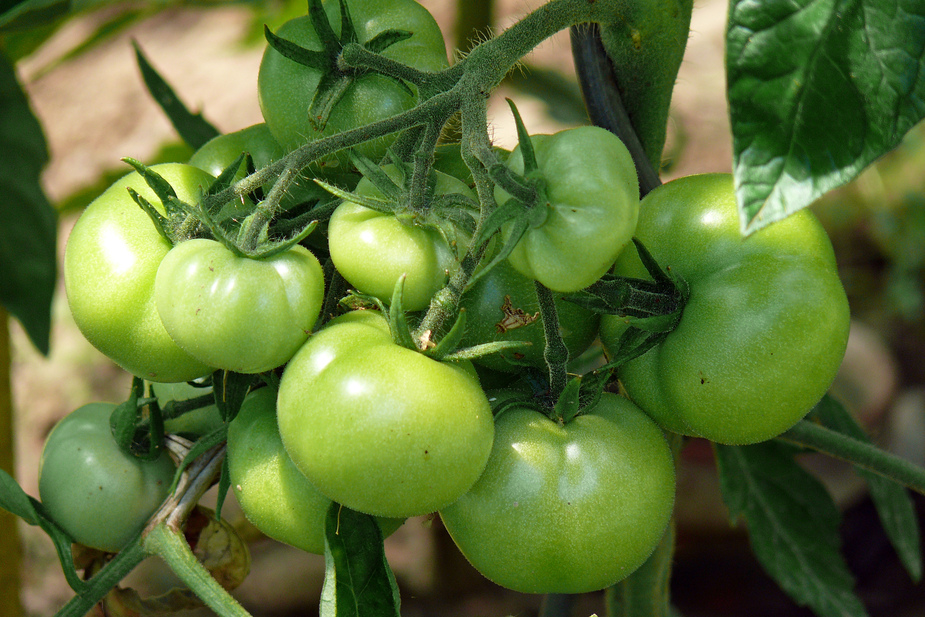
(764, 330)
(286, 88)
(271, 490)
(236, 313)
(101, 496)
(372, 249)
(567, 508)
(379, 428)
(112, 256)
(502, 306)
(592, 203)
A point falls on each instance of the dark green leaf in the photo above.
(192, 128)
(29, 230)
(15, 500)
(817, 91)
(894, 506)
(792, 524)
(32, 13)
(357, 581)
(230, 389)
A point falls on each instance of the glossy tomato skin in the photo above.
(379, 428)
(593, 204)
(490, 317)
(236, 313)
(373, 249)
(272, 492)
(567, 508)
(101, 496)
(286, 88)
(111, 259)
(764, 330)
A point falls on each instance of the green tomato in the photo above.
(502, 306)
(195, 423)
(373, 249)
(101, 496)
(567, 508)
(286, 88)
(764, 330)
(111, 259)
(271, 490)
(592, 204)
(379, 428)
(236, 313)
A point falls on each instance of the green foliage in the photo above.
(29, 228)
(792, 524)
(357, 580)
(817, 91)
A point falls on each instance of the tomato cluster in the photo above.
(361, 406)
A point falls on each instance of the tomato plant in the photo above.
(287, 90)
(110, 263)
(502, 306)
(567, 508)
(97, 493)
(239, 314)
(352, 401)
(197, 422)
(763, 331)
(273, 493)
(590, 209)
(372, 249)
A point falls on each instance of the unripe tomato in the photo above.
(101, 496)
(379, 428)
(271, 490)
(567, 508)
(111, 259)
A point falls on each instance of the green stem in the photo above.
(555, 353)
(170, 546)
(865, 455)
(104, 580)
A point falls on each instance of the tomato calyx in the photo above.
(336, 76)
(241, 227)
(137, 424)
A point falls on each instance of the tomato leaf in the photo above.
(32, 13)
(792, 524)
(357, 580)
(15, 500)
(28, 234)
(892, 501)
(817, 91)
(192, 128)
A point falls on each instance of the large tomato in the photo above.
(372, 249)
(101, 496)
(236, 313)
(567, 508)
(502, 306)
(110, 262)
(764, 330)
(271, 490)
(287, 88)
(592, 202)
(379, 428)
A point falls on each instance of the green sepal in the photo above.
(313, 59)
(451, 339)
(525, 143)
(398, 323)
(226, 178)
(484, 349)
(386, 39)
(379, 178)
(131, 428)
(518, 229)
(331, 89)
(592, 387)
(511, 398)
(275, 248)
(568, 404)
(157, 219)
(326, 35)
(154, 180)
(633, 343)
(354, 301)
(224, 483)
